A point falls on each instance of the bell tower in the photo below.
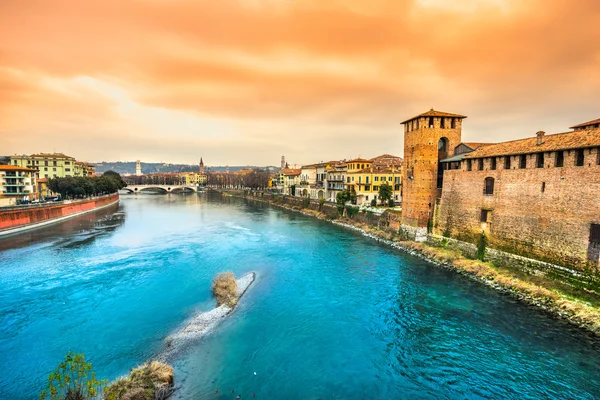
(428, 138)
(201, 166)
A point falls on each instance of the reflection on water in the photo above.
(331, 315)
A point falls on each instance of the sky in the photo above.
(243, 82)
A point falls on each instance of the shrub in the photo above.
(373, 203)
(306, 202)
(73, 379)
(351, 211)
(481, 246)
(391, 203)
(224, 288)
(321, 203)
(150, 381)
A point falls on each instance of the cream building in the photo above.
(53, 165)
(16, 183)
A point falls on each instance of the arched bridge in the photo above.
(162, 188)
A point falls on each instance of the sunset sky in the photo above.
(246, 81)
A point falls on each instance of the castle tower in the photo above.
(282, 162)
(201, 166)
(428, 138)
(227, 169)
(138, 168)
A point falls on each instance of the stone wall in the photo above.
(542, 213)
(14, 218)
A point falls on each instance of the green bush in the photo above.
(306, 202)
(73, 379)
(321, 204)
(351, 211)
(391, 203)
(481, 247)
(373, 203)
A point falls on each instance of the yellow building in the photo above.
(366, 177)
(193, 178)
(53, 165)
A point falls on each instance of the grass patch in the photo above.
(151, 381)
(224, 289)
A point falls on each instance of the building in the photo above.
(138, 168)
(538, 197)
(291, 179)
(53, 165)
(428, 138)
(365, 177)
(336, 178)
(17, 183)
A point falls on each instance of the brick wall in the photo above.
(18, 217)
(542, 213)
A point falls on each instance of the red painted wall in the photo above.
(15, 218)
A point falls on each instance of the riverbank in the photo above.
(15, 220)
(579, 304)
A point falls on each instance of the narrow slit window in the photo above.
(493, 163)
(485, 215)
(540, 160)
(560, 159)
(469, 165)
(579, 158)
(442, 123)
(431, 122)
(507, 162)
(453, 123)
(523, 161)
(598, 156)
(480, 164)
(543, 187)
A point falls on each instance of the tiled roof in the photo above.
(51, 155)
(592, 122)
(358, 160)
(291, 172)
(15, 168)
(476, 145)
(434, 113)
(558, 141)
(387, 159)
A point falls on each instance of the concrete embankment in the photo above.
(15, 220)
(203, 323)
(558, 291)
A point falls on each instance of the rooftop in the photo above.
(291, 172)
(583, 125)
(15, 168)
(558, 141)
(51, 155)
(434, 113)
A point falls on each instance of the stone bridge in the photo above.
(162, 188)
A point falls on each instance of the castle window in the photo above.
(493, 163)
(480, 164)
(523, 161)
(579, 158)
(540, 160)
(431, 122)
(598, 156)
(486, 215)
(506, 162)
(453, 123)
(442, 123)
(488, 187)
(543, 187)
(560, 159)
(469, 165)
(595, 233)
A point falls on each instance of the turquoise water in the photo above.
(332, 315)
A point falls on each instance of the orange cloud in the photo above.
(225, 77)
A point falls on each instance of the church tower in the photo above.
(201, 166)
(138, 168)
(282, 162)
(428, 138)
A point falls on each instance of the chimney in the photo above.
(540, 137)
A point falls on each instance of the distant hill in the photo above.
(128, 167)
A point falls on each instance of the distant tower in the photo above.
(227, 169)
(282, 162)
(138, 168)
(428, 138)
(201, 166)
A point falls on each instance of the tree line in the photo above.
(84, 186)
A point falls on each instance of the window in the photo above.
(480, 164)
(579, 158)
(367, 179)
(595, 233)
(559, 161)
(543, 187)
(523, 161)
(486, 215)
(348, 180)
(15, 162)
(469, 166)
(488, 187)
(453, 123)
(507, 162)
(598, 156)
(376, 179)
(431, 122)
(493, 163)
(53, 169)
(540, 160)
(443, 145)
(45, 176)
(45, 168)
(367, 188)
(46, 163)
(375, 188)
(366, 197)
(54, 163)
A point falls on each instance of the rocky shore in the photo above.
(572, 308)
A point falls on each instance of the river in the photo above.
(332, 314)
